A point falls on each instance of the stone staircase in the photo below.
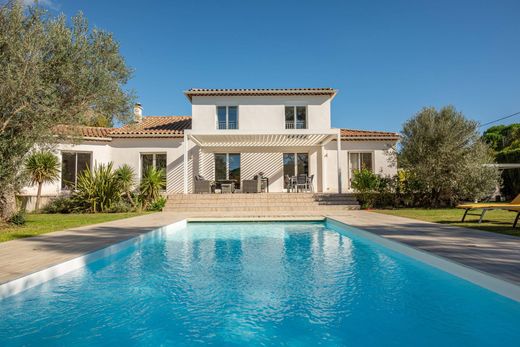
(265, 204)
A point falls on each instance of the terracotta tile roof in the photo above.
(84, 131)
(155, 126)
(269, 92)
(363, 135)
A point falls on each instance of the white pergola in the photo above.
(270, 139)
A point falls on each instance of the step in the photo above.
(322, 209)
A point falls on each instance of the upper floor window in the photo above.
(72, 164)
(295, 117)
(227, 117)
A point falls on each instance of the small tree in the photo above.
(443, 151)
(42, 167)
(54, 71)
(126, 177)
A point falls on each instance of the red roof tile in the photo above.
(259, 92)
(155, 126)
(362, 135)
(84, 131)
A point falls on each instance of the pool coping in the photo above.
(165, 220)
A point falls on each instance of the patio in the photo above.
(259, 162)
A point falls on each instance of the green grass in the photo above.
(45, 223)
(496, 220)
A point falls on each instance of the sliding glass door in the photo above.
(227, 167)
(295, 164)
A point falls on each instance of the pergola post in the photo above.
(185, 162)
(338, 140)
(323, 169)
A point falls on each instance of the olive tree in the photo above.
(443, 151)
(52, 73)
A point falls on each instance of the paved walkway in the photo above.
(24, 256)
(494, 253)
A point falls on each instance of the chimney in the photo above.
(138, 113)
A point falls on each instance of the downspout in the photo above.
(338, 140)
(185, 163)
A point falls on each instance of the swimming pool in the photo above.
(296, 284)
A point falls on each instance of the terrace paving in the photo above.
(493, 253)
(496, 254)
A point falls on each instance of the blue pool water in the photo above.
(230, 284)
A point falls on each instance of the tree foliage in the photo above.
(52, 73)
(443, 151)
(505, 141)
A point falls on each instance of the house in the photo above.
(233, 134)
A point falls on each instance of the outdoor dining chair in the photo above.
(302, 182)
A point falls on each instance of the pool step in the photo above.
(279, 203)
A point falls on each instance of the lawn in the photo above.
(495, 221)
(45, 223)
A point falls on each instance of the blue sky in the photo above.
(387, 58)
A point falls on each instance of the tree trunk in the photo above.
(38, 197)
(129, 196)
(7, 203)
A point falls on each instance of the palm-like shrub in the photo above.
(97, 190)
(126, 177)
(42, 167)
(152, 182)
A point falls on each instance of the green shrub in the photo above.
(158, 204)
(18, 218)
(365, 183)
(510, 177)
(97, 190)
(126, 177)
(121, 206)
(153, 181)
(61, 204)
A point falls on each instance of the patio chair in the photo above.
(289, 183)
(310, 181)
(302, 182)
(252, 186)
(513, 206)
(202, 185)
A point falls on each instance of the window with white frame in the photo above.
(155, 160)
(72, 164)
(359, 161)
(295, 117)
(227, 117)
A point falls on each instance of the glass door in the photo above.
(295, 164)
(227, 167)
(289, 168)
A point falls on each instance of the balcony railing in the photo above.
(227, 125)
(296, 125)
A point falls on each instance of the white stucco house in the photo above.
(233, 134)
